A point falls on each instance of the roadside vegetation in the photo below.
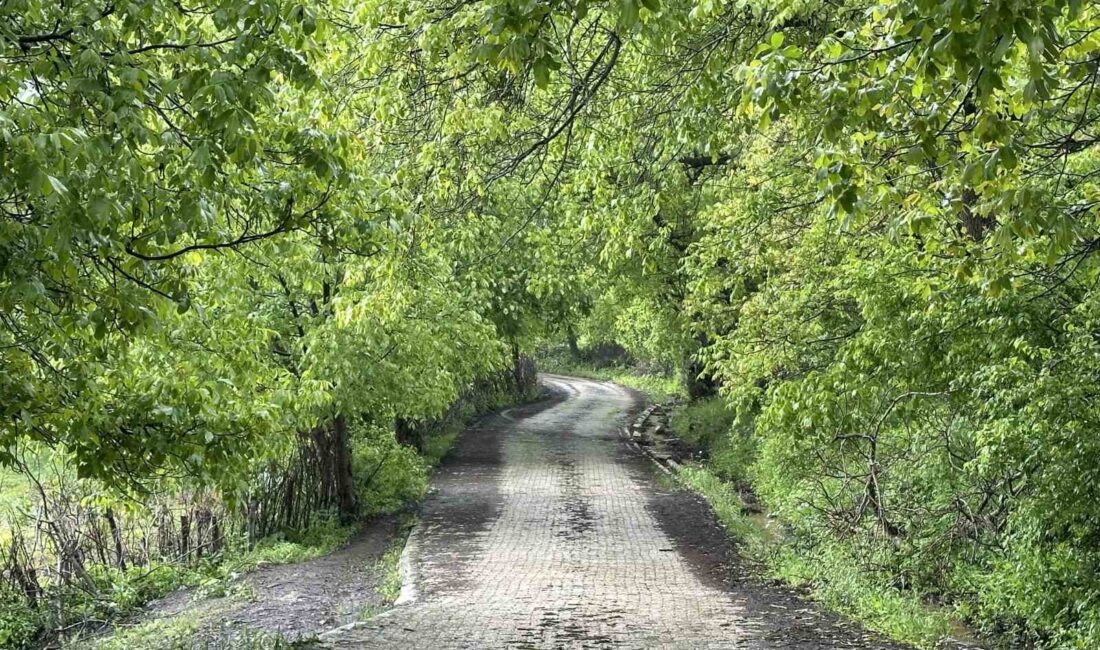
(203, 542)
(252, 253)
(721, 469)
(833, 571)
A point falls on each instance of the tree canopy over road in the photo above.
(230, 230)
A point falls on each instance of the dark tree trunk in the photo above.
(973, 224)
(698, 385)
(185, 537)
(341, 461)
(571, 339)
(517, 367)
(215, 535)
(116, 535)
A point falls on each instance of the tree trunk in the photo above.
(185, 538)
(116, 535)
(341, 465)
(574, 349)
(517, 369)
(322, 453)
(698, 385)
(973, 224)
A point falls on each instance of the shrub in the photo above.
(709, 425)
(20, 624)
(388, 475)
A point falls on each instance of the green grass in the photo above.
(390, 586)
(704, 423)
(325, 535)
(17, 490)
(437, 447)
(757, 536)
(709, 425)
(180, 633)
(161, 633)
(14, 489)
(837, 581)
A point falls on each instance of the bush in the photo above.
(388, 475)
(709, 425)
(20, 624)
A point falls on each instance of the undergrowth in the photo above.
(184, 633)
(390, 586)
(828, 570)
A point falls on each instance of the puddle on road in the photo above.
(579, 519)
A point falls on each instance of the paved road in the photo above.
(544, 530)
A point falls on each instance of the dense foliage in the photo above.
(873, 226)
(232, 231)
(215, 284)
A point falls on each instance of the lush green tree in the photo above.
(134, 138)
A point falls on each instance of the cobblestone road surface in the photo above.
(544, 530)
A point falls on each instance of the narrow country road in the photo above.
(545, 530)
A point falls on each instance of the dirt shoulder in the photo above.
(290, 602)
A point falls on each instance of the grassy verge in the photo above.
(827, 570)
(180, 633)
(390, 587)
